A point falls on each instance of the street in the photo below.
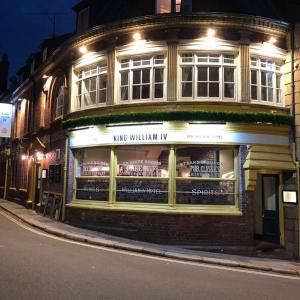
(36, 266)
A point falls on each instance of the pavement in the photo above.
(51, 226)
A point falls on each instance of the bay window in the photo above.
(142, 78)
(92, 174)
(179, 177)
(92, 86)
(206, 75)
(142, 174)
(266, 80)
(205, 175)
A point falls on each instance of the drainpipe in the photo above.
(65, 188)
(294, 125)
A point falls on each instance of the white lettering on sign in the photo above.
(170, 133)
(5, 120)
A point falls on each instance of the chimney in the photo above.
(4, 64)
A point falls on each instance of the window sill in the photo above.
(221, 210)
(23, 190)
(12, 189)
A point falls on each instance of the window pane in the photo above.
(136, 76)
(142, 191)
(203, 58)
(228, 74)
(159, 59)
(145, 91)
(163, 6)
(209, 193)
(187, 73)
(264, 93)
(159, 91)
(93, 82)
(146, 76)
(253, 77)
(187, 90)
(205, 162)
(124, 93)
(202, 73)
(213, 74)
(102, 81)
(94, 162)
(214, 58)
(254, 92)
(270, 79)
(214, 90)
(124, 78)
(229, 59)
(102, 96)
(229, 90)
(187, 58)
(270, 94)
(263, 78)
(202, 89)
(136, 92)
(144, 161)
(92, 189)
(159, 75)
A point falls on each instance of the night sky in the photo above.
(23, 26)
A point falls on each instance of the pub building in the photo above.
(177, 126)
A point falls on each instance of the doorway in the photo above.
(270, 208)
(37, 185)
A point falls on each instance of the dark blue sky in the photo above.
(22, 28)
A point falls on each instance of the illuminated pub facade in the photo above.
(172, 128)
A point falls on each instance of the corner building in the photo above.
(177, 128)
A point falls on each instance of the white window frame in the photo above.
(152, 66)
(272, 66)
(59, 103)
(99, 69)
(221, 65)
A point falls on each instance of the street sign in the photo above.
(5, 120)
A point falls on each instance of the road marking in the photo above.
(169, 260)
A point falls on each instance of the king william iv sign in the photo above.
(5, 120)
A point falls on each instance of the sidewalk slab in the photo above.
(82, 235)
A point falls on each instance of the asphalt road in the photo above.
(36, 266)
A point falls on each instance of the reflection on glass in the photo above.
(142, 161)
(205, 162)
(94, 162)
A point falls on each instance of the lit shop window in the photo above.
(205, 175)
(168, 6)
(91, 86)
(142, 174)
(208, 76)
(142, 78)
(92, 180)
(266, 80)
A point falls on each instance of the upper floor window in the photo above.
(266, 80)
(205, 75)
(142, 78)
(59, 103)
(92, 86)
(58, 98)
(168, 6)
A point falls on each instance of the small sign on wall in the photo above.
(289, 197)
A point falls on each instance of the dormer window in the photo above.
(168, 6)
(83, 19)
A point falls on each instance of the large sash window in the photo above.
(206, 75)
(92, 86)
(266, 81)
(142, 78)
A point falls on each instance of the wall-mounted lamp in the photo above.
(45, 76)
(137, 36)
(83, 49)
(211, 32)
(272, 40)
(23, 157)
